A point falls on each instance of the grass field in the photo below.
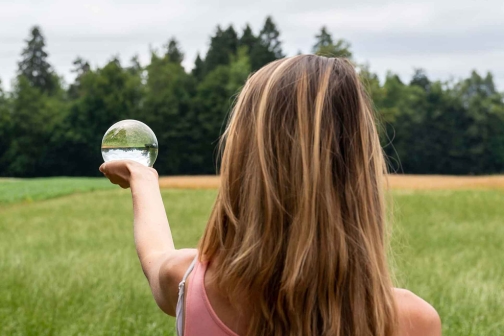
(29, 190)
(68, 264)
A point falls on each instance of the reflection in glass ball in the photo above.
(130, 140)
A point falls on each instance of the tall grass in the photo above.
(68, 265)
(448, 247)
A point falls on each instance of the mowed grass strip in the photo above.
(29, 190)
(68, 265)
(395, 181)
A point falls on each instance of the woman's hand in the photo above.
(122, 172)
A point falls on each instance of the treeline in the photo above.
(48, 128)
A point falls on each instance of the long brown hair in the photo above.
(299, 224)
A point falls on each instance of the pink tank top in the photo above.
(199, 316)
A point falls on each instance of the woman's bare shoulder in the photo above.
(416, 316)
(171, 273)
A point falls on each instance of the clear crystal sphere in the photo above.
(130, 140)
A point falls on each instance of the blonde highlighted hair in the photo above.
(297, 232)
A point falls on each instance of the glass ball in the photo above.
(130, 140)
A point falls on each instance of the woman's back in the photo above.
(208, 312)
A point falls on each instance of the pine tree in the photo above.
(2, 93)
(489, 84)
(34, 65)
(5, 127)
(198, 70)
(231, 40)
(166, 108)
(81, 67)
(173, 52)
(212, 103)
(270, 38)
(135, 66)
(324, 39)
(420, 79)
(222, 45)
(248, 39)
(268, 47)
(325, 46)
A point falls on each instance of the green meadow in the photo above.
(68, 264)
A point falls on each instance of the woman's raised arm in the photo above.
(153, 239)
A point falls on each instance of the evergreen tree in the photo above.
(37, 106)
(81, 67)
(34, 118)
(198, 70)
(269, 36)
(441, 128)
(222, 46)
(239, 70)
(173, 52)
(375, 92)
(324, 40)
(167, 109)
(269, 46)
(135, 67)
(403, 109)
(5, 129)
(212, 104)
(231, 40)
(483, 137)
(488, 83)
(248, 39)
(34, 65)
(420, 79)
(425, 126)
(326, 47)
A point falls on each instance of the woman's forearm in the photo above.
(151, 229)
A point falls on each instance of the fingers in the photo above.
(104, 171)
(117, 172)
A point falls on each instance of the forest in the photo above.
(51, 128)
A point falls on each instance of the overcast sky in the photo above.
(448, 38)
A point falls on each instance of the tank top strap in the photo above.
(179, 313)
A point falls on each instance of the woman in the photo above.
(296, 241)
